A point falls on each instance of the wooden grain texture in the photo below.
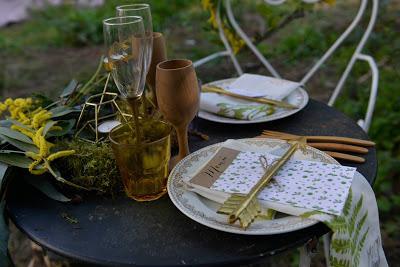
(343, 156)
(178, 97)
(314, 138)
(339, 147)
(159, 55)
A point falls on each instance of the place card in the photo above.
(305, 184)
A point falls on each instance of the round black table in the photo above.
(122, 232)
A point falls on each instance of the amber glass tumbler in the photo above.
(144, 168)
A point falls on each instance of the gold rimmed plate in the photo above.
(203, 210)
(298, 98)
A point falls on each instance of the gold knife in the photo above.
(218, 90)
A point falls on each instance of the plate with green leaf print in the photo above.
(204, 210)
(248, 112)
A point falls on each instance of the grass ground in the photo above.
(58, 44)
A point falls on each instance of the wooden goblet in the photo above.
(159, 55)
(178, 98)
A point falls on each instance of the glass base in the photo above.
(145, 198)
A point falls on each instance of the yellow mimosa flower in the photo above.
(3, 106)
(60, 154)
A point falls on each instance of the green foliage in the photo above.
(384, 46)
(43, 184)
(349, 227)
(341, 245)
(69, 25)
(92, 167)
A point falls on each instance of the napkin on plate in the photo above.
(251, 85)
(356, 239)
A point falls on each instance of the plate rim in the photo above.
(301, 224)
(205, 115)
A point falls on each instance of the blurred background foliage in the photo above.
(61, 42)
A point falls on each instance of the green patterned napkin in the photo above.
(234, 108)
(356, 239)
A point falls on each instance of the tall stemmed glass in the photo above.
(126, 46)
(141, 10)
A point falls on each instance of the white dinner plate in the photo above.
(298, 97)
(203, 210)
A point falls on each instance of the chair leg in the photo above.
(327, 245)
(307, 251)
(305, 256)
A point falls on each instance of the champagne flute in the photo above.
(126, 46)
(178, 98)
(141, 10)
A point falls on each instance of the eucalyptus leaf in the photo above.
(4, 230)
(3, 177)
(3, 170)
(21, 145)
(69, 89)
(43, 100)
(66, 126)
(19, 124)
(47, 127)
(46, 187)
(4, 235)
(15, 135)
(61, 111)
(5, 123)
(15, 159)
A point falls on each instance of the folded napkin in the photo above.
(356, 239)
(255, 85)
(251, 85)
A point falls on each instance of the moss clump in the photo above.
(93, 166)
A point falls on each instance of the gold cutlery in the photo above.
(218, 90)
(332, 145)
(246, 208)
(311, 138)
(339, 147)
(344, 156)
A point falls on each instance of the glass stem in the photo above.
(134, 104)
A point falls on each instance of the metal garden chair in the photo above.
(357, 55)
(365, 123)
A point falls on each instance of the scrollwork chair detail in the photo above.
(357, 55)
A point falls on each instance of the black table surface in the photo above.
(122, 232)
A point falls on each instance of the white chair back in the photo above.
(357, 55)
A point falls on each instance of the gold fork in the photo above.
(315, 138)
(246, 208)
(329, 144)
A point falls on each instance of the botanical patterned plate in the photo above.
(298, 97)
(203, 210)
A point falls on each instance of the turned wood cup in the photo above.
(178, 98)
(159, 55)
